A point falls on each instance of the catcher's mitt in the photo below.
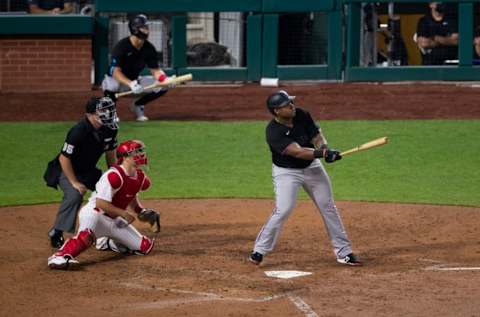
(150, 216)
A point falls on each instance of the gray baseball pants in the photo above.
(316, 183)
(71, 202)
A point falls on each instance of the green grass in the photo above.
(425, 162)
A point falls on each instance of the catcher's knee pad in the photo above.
(146, 246)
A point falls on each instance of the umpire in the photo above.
(74, 169)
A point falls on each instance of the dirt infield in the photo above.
(421, 260)
(198, 266)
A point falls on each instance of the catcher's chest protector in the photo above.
(129, 188)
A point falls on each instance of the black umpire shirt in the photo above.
(428, 27)
(131, 60)
(280, 136)
(84, 145)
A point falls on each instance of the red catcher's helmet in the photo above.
(132, 148)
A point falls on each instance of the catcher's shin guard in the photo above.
(76, 245)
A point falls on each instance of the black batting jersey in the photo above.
(84, 145)
(131, 60)
(280, 136)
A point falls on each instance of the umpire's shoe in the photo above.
(256, 258)
(56, 238)
(350, 259)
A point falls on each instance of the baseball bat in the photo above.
(174, 80)
(366, 146)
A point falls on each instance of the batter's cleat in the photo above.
(350, 259)
(139, 112)
(256, 258)
(56, 238)
(61, 262)
(142, 119)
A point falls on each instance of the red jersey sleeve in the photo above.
(115, 180)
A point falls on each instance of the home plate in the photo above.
(286, 274)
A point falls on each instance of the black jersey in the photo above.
(131, 60)
(280, 136)
(428, 27)
(84, 145)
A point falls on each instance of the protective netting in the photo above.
(159, 26)
(213, 39)
(303, 38)
(216, 39)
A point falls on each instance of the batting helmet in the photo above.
(106, 110)
(132, 148)
(136, 23)
(279, 99)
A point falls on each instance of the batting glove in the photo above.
(136, 87)
(332, 156)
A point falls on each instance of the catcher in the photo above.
(106, 215)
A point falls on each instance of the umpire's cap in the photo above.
(279, 99)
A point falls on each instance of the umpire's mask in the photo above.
(106, 110)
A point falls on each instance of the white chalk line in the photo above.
(302, 306)
(442, 266)
(198, 297)
(439, 268)
(205, 297)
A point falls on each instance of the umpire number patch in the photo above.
(67, 148)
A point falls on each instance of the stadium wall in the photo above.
(38, 64)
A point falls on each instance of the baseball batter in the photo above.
(129, 57)
(106, 213)
(297, 144)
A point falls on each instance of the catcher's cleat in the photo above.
(107, 244)
(256, 258)
(350, 259)
(61, 262)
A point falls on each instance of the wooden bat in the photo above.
(366, 146)
(165, 83)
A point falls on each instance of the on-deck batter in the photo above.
(297, 143)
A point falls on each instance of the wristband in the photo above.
(319, 153)
(162, 77)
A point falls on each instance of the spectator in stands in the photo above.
(50, 6)
(437, 36)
